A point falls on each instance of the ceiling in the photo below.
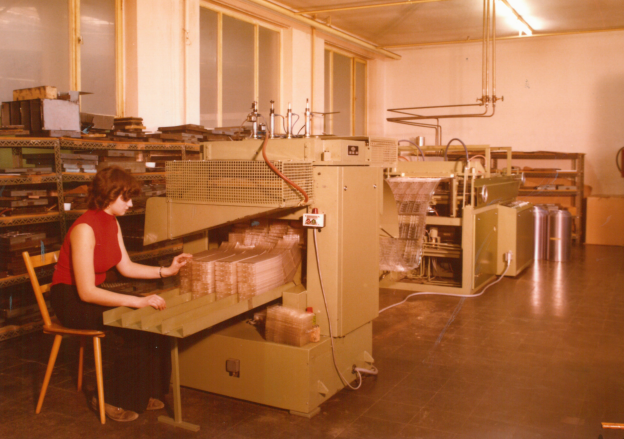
(438, 21)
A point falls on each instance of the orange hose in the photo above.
(274, 169)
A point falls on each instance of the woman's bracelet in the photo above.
(160, 272)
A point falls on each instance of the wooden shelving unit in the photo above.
(59, 215)
(575, 174)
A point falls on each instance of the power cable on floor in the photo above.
(427, 293)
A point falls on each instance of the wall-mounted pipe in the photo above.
(325, 28)
(488, 89)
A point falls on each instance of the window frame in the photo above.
(75, 43)
(329, 106)
(256, 22)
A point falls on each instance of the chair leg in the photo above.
(46, 380)
(80, 362)
(97, 353)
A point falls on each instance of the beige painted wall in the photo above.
(162, 61)
(561, 94)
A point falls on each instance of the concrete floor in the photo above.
(538, 356)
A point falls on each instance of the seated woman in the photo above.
(141, 361)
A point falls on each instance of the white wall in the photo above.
(162, 61)
(561, 94)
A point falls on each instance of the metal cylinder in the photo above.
(560, 239)
(420, 141)
(540, 235)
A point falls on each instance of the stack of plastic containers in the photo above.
(288, 326)
(255, 260)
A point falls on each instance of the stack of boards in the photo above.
(26, 202)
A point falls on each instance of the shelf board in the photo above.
(28, 142)
(28, 179)
(39, 218)
(18, 279)
(18, 331)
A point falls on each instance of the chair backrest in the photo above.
(33, 262)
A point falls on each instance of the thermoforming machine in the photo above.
(343, 180)
(472, 221)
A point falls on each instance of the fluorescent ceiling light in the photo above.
(521, 24)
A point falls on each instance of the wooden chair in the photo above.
(54, 327)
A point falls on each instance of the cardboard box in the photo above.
(605, 220)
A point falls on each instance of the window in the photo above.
(239, 64)
(35, 50)
(345, 94)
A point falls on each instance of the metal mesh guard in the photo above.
(237, 182)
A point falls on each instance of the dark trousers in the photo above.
(141, 360)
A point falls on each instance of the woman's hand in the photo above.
(154, 301)
(177, 263)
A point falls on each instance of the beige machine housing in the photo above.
(345, 187)
(472, 228)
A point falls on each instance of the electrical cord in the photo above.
(509, 257)
(358, 370)
(449, 144)
(274, 169)
(417, 147)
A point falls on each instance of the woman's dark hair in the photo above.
(108, 185)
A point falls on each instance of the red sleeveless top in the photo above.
(106, 254)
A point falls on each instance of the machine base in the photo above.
(298, 379)
(310, 415)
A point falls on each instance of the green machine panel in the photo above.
(348, 247)
(516, 230)
(298, 379)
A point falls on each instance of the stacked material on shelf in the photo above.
(70, 162)
(25, 202)
(185, 278)
(288, 326)
(148, 190)
(43, 112)
(183, 133)
(274, 253)
(129, 161)
(80, 163)
(77, 197)
(270, 269)
(25, 171)
(226, 279)
(128, 129)
(202, 268)
(13, 130)
(12, 244)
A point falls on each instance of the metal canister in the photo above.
(560, 239)
(540, 235)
